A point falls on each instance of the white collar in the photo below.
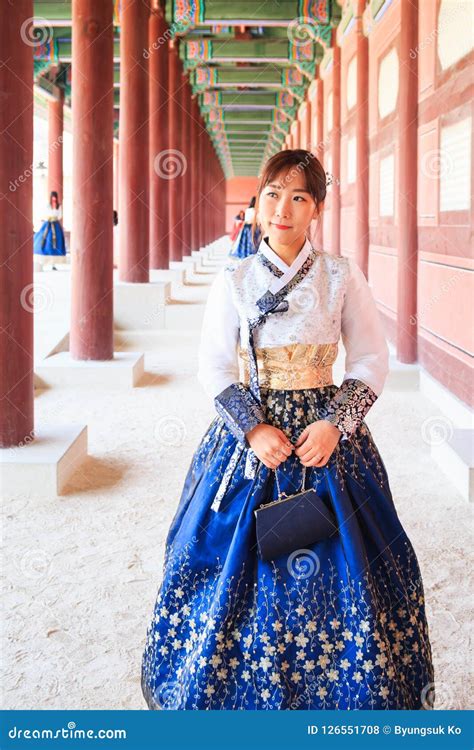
(288, 271)
(265, 248)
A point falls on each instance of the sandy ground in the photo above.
(81, 571)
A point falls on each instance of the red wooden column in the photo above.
(158, 133)
(16, 228)
(297, 138)
(194, 159)
(209, 210)
(91, 335)
(174, 143)
(133, 164)
(116, 174)
(201, 180)
(336, 150)
(308, 118)
(407, 188)
(184, 179)
(362, 145)
(55, 145)
(318, 148)
(204, 204)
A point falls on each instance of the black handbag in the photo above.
(292, 522)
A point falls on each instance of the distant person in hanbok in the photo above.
(49, 239)
(338, 624)
(246, 242)
(238, 224)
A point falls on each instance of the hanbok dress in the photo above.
(245, 244)
(238, 224)
(340, 624)
(49, 239)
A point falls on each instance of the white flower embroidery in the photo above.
(323, 661)
(301, 640)
(265, 663)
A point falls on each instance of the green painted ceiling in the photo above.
(249, 62)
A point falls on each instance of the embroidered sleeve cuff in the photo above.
(349, 406)
(239, 409)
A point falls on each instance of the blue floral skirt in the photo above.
(338, 625)
(245, 245)
(49, 239)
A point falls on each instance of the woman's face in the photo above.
(286, 208)
(54, 201)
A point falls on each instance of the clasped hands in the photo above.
(313, 447)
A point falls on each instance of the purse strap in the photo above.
(278, 483)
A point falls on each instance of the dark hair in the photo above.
(292, 161)
(252, 201)
(52, 195)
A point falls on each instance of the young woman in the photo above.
(338, 624)
(247, 240)
(49, 239)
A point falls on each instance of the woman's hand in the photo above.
(316, 443)
(269, 444)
